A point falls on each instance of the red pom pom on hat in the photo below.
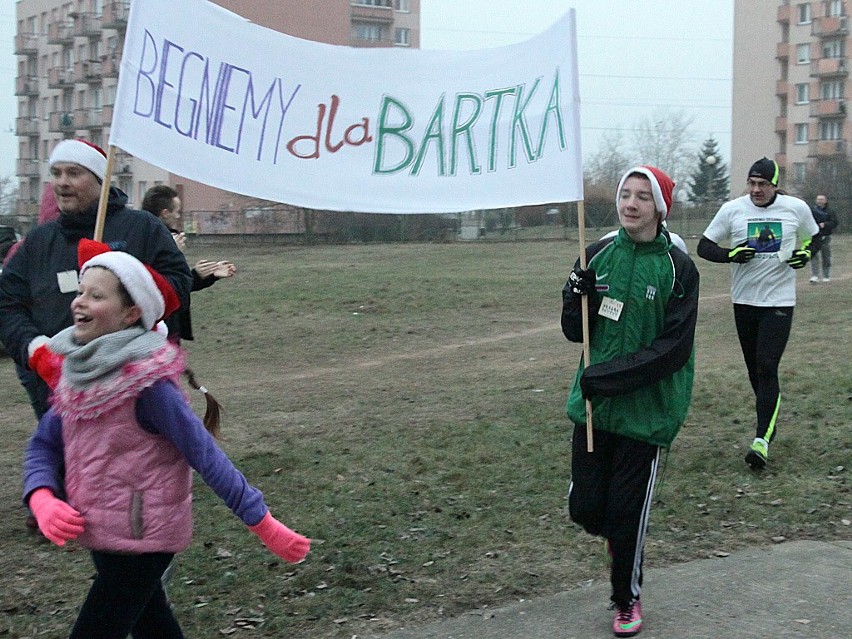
(170, 296)
(87, 249)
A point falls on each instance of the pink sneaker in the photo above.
(628, 620)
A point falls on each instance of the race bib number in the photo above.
(610, 308)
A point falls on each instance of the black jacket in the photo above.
(825, 216)
(31, 302)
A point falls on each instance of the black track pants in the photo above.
(610, 495)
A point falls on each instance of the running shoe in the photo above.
(628, 620)
(757, 453)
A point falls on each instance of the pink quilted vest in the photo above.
(133, 488)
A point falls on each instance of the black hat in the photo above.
(766, 169)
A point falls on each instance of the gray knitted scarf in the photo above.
(103, 356)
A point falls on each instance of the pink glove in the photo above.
(289, 545)
(47, 364)
(56, 519)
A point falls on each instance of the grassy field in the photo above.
(403, 406)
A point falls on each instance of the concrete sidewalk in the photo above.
(799, 589)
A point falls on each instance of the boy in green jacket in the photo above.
(643, 305)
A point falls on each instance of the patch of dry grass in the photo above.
(404, 405)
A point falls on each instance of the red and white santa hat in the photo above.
(662, 187)
(83, 153)
(149, 290)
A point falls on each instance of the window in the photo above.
(830, 130)
(800, 171)
(833, 48)
(803, 53)
(402, 5)
(801, 134)
(369, 31)
(372, 3)
(802, 93)
(143, 186)
(804, 13)
(835, 8)
(831, 90)
(401, 37)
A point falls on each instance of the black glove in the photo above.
(586, 388)
(799, 258)
(582, 282)
(741, 253)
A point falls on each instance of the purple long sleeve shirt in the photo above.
(160, 409)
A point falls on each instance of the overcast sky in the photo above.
(634, 56)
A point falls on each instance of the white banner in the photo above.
(205, 94)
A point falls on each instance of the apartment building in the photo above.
(68, 62)
(790, 87)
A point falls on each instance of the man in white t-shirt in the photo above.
(771, 235)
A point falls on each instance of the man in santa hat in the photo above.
(40, 280)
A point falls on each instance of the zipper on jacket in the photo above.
(136, 528)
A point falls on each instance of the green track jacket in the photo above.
(641, 355)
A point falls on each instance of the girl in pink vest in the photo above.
(129, 441)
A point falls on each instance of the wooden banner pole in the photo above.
(581, 226)
(104, 199)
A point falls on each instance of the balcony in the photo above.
(26, 209)
(88, 72)
(26, 44)
(781, 124)
(26, 126)
(782, 50)
(87, 25)
(123, 164)
(781, 88)
(89, 118)
(61, 122)
(835, 108)
(60, 78)
(826, 148)
(784, 13)
(26, 85)
(828, 67)
(115, 14)
(110, 65)
(366, 44)
(829, 26)
(60, 32)
(28, 167)
(369, 13)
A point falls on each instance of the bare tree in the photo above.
(8, 195)
(606, 166)
(664, 139)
